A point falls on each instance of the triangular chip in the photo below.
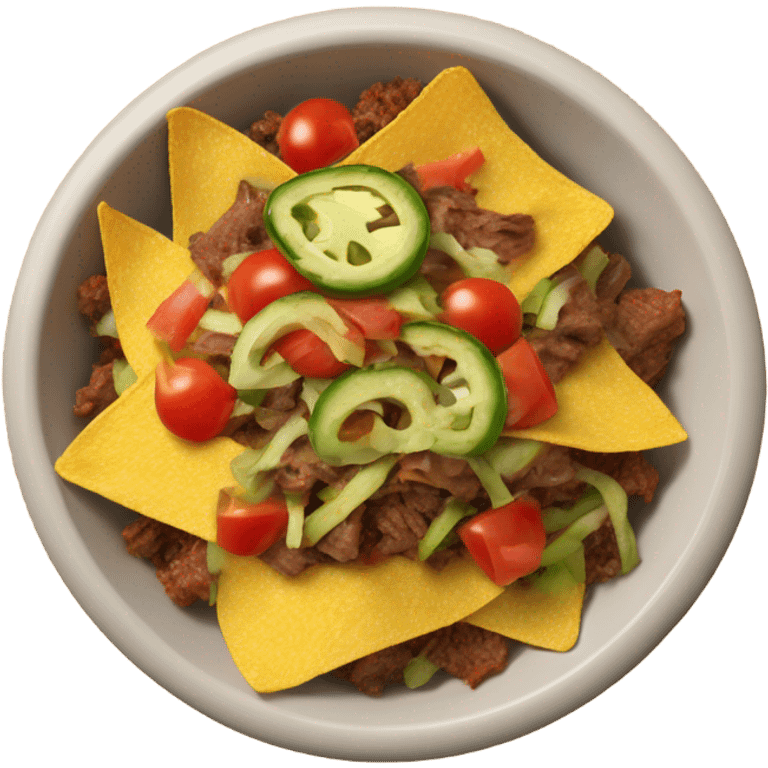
(207, 160)
(284, 631)
(128, 456)
(143, 269)
(531, 616)
(452, 114)
(604, 406)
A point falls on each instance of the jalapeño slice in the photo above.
(352, 230)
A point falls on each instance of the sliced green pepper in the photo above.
(461, 416)
(324, 223)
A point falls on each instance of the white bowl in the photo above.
(588, 129)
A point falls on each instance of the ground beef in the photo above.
(380, 104)
(240, 228)
(264, 131)
(95, 396)
(93, 300)
(179, 558)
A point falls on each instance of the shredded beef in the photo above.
(213, 343)
(647, 323)
(179, 558)
(342, 543)
(454, 475)
(380, 104)
(631, 470)
(470, 653)
(241, 228)
(301, 468)
(601, 554)
(509, 236)
(579, 327)
(402, 526)
(291, 562)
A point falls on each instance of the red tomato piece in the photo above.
(531, 395)
(178, 315)
(506, 542)
(249, 528)
(372, 315)
(316, 133)
(451, 172)
(261, 278)
(485, 308)
(191, 399)
(309, 355)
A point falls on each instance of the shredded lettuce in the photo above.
(122, 375)
(106, 325)
(419, 671)
(553, 303)
(491, 480)
(615, 499)
(592, 266)
(511, 454)
(555, 518)
(475, 262)
(220, 322)
(295, 532)
(532, 302)
(570, 540)
(416, 300)
(453, 511)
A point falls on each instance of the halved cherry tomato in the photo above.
(531, 395)
(506, 542)
(261, 278)
(485, 308)
(451, 172)
(372, 315)
(249, 528)
(316, 133)
(178, 315)
(191, 399)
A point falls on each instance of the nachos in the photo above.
(127, 453)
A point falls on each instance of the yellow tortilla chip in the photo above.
(331, 615)
(207, 162)
(529, 615)
(143, 269)
(604, 406)
(452, 114)
(128, 456)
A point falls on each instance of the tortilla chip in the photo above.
(334, 614)
(603, 406)
(128, 456)
(143, 269)
(453, 113)
(531, 616)
(207, 160)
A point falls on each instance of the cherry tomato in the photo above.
(316, 133)
(530, 393)
(506, 542)
(178, 315)
(485, 308)
(372, 315)
(191, 399)
(451, 172)
(261, 278)
(249, 528)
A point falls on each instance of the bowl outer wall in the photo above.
(742, 389)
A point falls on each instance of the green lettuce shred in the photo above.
(474, 262)
(491, 480)
(419, 671)
(122, 375)
(453, 511)
(295, 533)
(555, 518)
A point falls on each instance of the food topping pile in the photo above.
(383, 387)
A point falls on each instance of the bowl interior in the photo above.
(665, 224)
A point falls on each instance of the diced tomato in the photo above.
(309, 355)
(485, 308)
(247, 528)
(191, 399)
(372, 315)
(506, 542)
(178, 315)
(531, 395)
(261, 278)
(451, 172)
